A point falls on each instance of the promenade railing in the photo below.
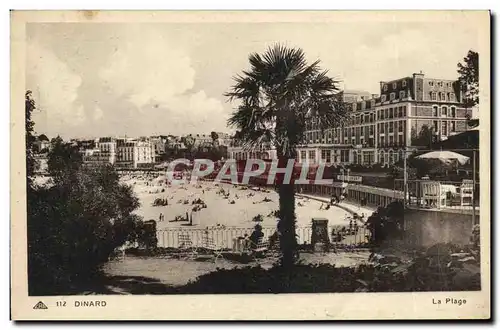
(225, 237)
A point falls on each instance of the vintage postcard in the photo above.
(207, 165)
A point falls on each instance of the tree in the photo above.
(276, 97)
(469, 78)
(63, 158)
(424, 138)
(43, 137)
(74, 226)
(30, 106)
(215, 139)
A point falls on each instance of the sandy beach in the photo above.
(247, 204)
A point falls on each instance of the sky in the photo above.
(135, 79)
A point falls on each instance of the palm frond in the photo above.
(279, 94)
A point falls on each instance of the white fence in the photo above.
(224, 237)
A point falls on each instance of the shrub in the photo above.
(74, 226)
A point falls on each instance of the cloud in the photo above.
(55, 88)
(98, 114)
(157, 77)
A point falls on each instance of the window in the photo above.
(404, 83)
(392, 96)
(382, 157)
(444, 112)
(402, 94)
(435, 126)
(394, 85)
(443, 96)
(391, 127)
(344, 156)
(440, 84)
(383, 98)
(302, 155)
(386, 113)
(431, 83)
(391, 113)
(444, 128)
(433, 96)
(391, 157)
(382, 140)
(312, 156)
(435, 111)
(385, 88)
(452, 126)
(400, 126)
(453, 112)
(452, 97)
(382, 128)
(381, 114)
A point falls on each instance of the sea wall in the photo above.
(425, 228)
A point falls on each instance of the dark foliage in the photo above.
(64, 159)
(386, 223)
(75, 224)
(469, 78)
(418, 275)
(30, 106)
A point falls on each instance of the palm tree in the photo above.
(276, 97)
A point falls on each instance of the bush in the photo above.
(326, 278)
(74, 226)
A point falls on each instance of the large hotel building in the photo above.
(381, 126)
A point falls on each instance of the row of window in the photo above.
(365, 157)
(439, 83)
(442, 96)
(392, 96)
(445, 111)
(390, 113)
(394, 85)
(446, 127)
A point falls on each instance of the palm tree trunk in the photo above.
(288, 242)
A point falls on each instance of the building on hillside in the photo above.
(41, 144)
(84, 145)
(236, 151)
(411, 112)
(224, 139)
(202, 140)
(135, 154)
(159, 144)
(95, 158)
(107, 149)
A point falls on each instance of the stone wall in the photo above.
(425, 228)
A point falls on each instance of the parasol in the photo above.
(445, 156)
